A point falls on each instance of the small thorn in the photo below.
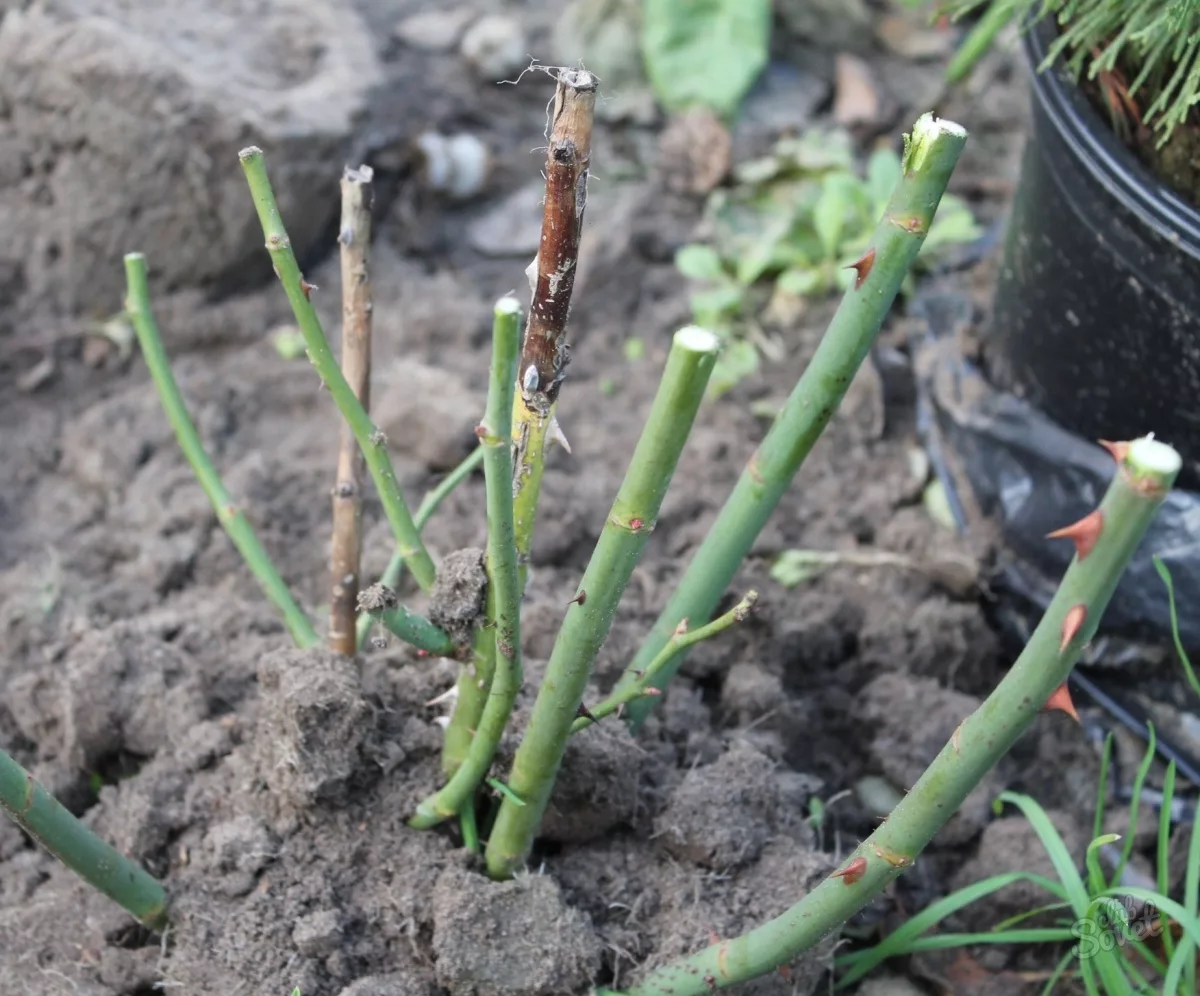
(713, 936)
(583, 712)
(649, 693)
(557, 434)
(1060, 700)
(1119, 451)
(449, 695)
(852, 872)
(579, 599)
(307, 288)
(682, 628)
(1071, 625)
(862, 267)
(1083, 533)
(786, 972)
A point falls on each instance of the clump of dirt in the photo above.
(458, 600)
(722, 815)
(517, 936)
(312, 725)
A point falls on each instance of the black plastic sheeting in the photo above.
(1031, 476)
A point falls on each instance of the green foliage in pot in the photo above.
(1139, 61)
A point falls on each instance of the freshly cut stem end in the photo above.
(370, 440)
(358, 193)
(504, 596)
(590, 615)
(232, 518)
(932, 153)
(48, 822)
(1144, 477)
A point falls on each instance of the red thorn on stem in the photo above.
(583, 712)
(579, 599)
(786, 972)
(1118, 450)
(1060, 700)
(852, 872)
(1071, 625)
(862, 267)
(1083, 533)
(307, 287)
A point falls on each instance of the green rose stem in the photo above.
(48, 822)
(381, 604)
(232, 518)
(542, 364)
(504, 593)
(590, 614)
(370, 440)
(931, 153)
(1104, 542)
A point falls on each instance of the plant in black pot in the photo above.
(1095, 326)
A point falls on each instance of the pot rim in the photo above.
(1094, 144)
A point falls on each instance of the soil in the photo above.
(150, 685)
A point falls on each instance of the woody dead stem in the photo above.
(543, 360)
(346, 548)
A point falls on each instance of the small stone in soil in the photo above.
(496, 47)
(434, 30)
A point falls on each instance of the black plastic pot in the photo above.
(1097, 309)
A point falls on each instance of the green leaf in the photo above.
(883, 174)
(792, 567)
(715, 307)
(1184, 659)
(953, 223)
(737, 361)
(705, 53)
(700, 262)
(803, 281)
(829, 213)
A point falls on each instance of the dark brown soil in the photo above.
(146, 680)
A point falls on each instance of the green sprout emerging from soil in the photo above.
(497, 812)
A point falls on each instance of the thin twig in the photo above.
(346, 548)
(680, 641)
(232, 518)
